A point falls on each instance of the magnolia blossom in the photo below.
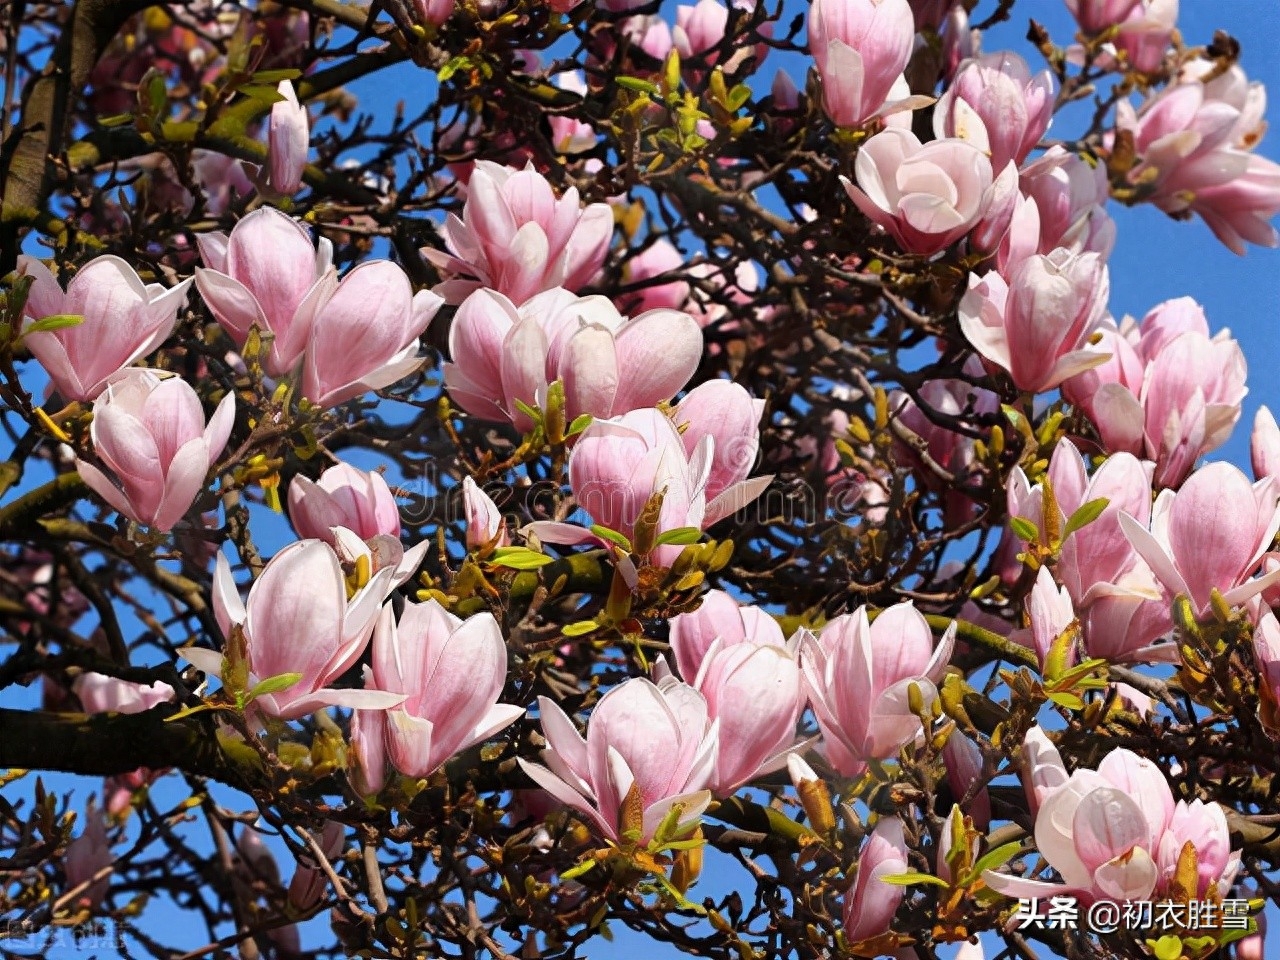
(434, 12)
(485, 525)
(754, 690)
(1095, 16)
(721, 618)
(451, 672)
(859, 676)
(1264, 445)
(1036, 325)
(1051, 614)
(1210, 535)
(618, 466)
(516, 238)
(1266, 654)
(99, 693)
(1116, 833)
(309, 883)
(123, 320)
(1169, 392)
(86, 856)
(269, 274)
(365, 335)
(1122, 609)
(288, 137)
(1145, 35)
(654, 739)
(150, 435)
(1194, 142)
(861, 48)
(727, 413)
(298, 619)
(608, 364)
(964, 763)
(997, 105)
(569, 135)
(869, 907)
(1070, 195)
(344, 496)
(927, 196)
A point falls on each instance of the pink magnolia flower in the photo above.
(288, 138)
(699, 28)
(299, 619)
(1042, 769)
(451, 672)
(1264, 445)
(870, 906)
(1211, 534)
(223, 179)
(952, 451)
(434, 12)
(1266, 652)
(1145, 35)
(267, 273)
(88, 854)
(567, 134)
(1095, 16)
(310, 883)
(124, 320)
(657, 739)
(1194, 141)
(754, 690)
(365, 336)
(1070, 197)
(150, 435)
(485, 525)
(608, 364)
(859, 675)
(963, 760)
(618, 465)
(960, 41)
(657, 259)
(517, 239)
(344, 496)
(1121, 607)
(726, 412)
(1109, 834)
(1051, 614)
(722, 618)
(926, 196)
(1169, 392)
(996, 104)
(1037, 324)
(860, 47)
(99, 693)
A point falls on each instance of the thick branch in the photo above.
(108, 744)
(26, 173)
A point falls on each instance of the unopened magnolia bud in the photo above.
(814, 795)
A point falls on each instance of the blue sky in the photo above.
(1155, 259)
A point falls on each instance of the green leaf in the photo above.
(116, 120)
(281, 681)
(579, 424)
(680, 536)
(1067, 700)
(912, 877)
(993, 859)
(275, 76)
(1167, 947)
(579, 629)
(1085, 515)
(586, 866)
(1025, 529)
(452, 67)
(613, 536)
(738, 96)
(636, 84)
(519, 558)
(58, 321)
(533, 413)
(264, 93)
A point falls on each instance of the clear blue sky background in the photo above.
(1155, 259)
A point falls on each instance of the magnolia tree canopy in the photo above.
(720, 500)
